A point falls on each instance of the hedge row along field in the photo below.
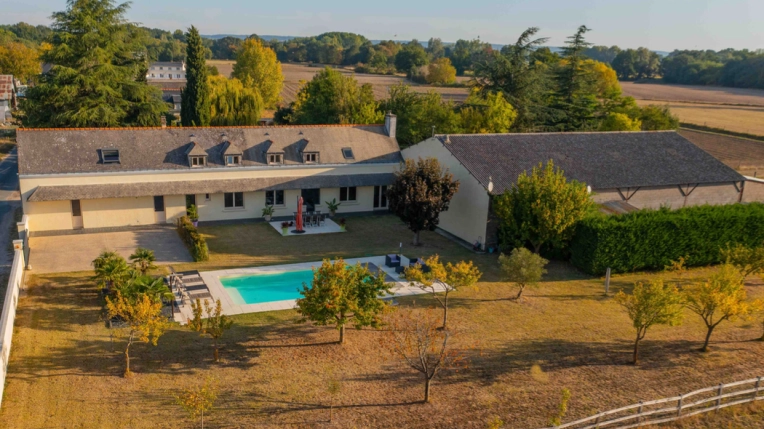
(651, 239)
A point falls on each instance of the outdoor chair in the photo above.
(420, 261)
(392, 261)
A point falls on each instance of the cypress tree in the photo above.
(195, 98)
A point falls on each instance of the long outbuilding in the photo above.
(624, 170)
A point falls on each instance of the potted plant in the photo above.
(193, 214)
(342, 224)
(284, 228)
(332, 205)
(268, 213)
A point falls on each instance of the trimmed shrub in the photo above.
(651, 239)
(194, 241)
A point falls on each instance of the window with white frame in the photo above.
(348, 194)
(310, 157)
(233, 159)
(274, 198)
(234, 200)
(275, 158)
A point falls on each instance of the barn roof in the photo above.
(602, 160)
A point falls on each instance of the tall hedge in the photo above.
(196, 244)
(650, 239)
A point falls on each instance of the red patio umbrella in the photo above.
(298, 221)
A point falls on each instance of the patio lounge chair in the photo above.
(420, 261)
(392, 261)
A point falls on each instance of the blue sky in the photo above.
(657, 24)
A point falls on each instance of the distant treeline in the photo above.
(729, 67)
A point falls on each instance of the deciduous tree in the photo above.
(541, 208)
(257, 67)
(233, 103)
(722, 297)
(19, 60)
(195, 97)
(748, 260)
(98, 76)
(522, 267)
(440, 279)
(420, 192)
(653, 304)
(419, 115)
(340, 294)
(214, 325)
(331, 98)
(144, 319)
(488, 113)
(411, 55)
(620, 122)
(197, 401)
(441, 71)
(418, 340)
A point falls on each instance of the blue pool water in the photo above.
(259, 288)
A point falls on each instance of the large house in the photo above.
(166, 71)
(102, 178)
(7, 97)
(624, 171)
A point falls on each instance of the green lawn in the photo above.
(65, 368)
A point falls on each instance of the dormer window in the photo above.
(110, 156)
(310, 158)
(197, 161)
(232, 160)
(347, 153)
(275, 158)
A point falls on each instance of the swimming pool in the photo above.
(260, 288)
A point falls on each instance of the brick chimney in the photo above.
(163, 121)
(390, 123)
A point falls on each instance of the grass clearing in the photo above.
(65, 369)
(741, 119)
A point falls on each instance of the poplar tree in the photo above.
(98, 73)
(195, 107)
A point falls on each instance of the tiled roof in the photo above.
(601, 160)
(6, 87)
(54, 151)
(129, 190)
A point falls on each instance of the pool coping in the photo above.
(212, 279)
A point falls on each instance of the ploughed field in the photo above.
(294, 73)
(65, 367)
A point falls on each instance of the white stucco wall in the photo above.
(467, 215)
(56, 215)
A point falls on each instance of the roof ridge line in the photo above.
(555, 133)
(196, 128)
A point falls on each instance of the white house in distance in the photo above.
(103, 178)
(165, 71)
(7, 97)
(626, 171)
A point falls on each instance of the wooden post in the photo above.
(679, 406)
(639, 412)
(607, 281)
(597, 422)
(719, 394)
(758, 387)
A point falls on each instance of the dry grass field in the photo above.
(65, 367)
(294, 73)
(694, 93)
(735, 109)
(741, 119)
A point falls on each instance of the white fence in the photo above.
(15, 284)
(668, 409)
